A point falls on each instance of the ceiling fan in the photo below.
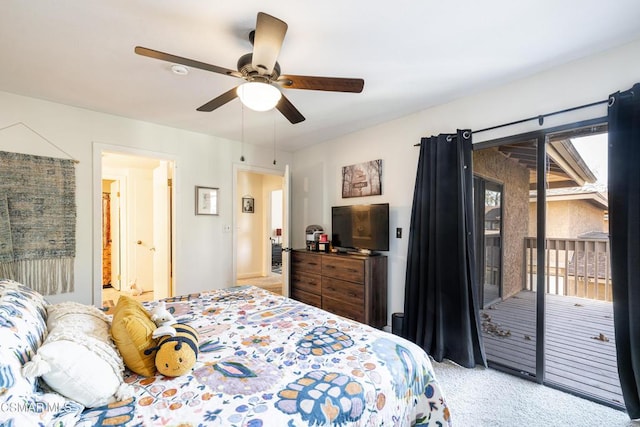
(261, 72)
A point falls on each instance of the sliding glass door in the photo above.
(503, 177)
(552, 318)
(579, 350)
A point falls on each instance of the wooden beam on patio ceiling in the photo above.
(526, 156)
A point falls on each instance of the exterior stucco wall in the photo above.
(492, 165)
(567, 219)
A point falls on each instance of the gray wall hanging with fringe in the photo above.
(37, 221)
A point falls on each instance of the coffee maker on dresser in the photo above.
(313, 232)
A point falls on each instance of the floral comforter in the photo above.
(266, 360)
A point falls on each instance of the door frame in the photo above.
(122, 213)
(480, 184)
(98, 150)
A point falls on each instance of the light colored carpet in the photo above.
(488, 398)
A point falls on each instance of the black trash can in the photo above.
(396, 323)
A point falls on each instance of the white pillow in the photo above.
(78, 359)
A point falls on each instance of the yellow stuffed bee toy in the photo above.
(176, 355)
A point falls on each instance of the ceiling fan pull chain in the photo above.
(274, 139)
(242, 132)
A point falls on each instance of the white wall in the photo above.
(276, 210)
(203, 252)
(316, 171)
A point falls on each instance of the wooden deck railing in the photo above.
(574, 267)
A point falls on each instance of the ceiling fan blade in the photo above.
(267, 42)
(332, 84)
(229, 95)
(151, 53)
(289, 111)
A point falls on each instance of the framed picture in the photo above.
(362, 179)
(247, 205)
(206, 201)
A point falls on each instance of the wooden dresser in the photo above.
(352, 286)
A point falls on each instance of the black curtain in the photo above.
(440, 304)
(624, 232)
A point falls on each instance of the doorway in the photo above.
(276, 219)
(137, 227)
(261, 231)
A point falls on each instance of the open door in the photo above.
(161, 231)
(286, 225)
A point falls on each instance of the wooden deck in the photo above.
(580, 344)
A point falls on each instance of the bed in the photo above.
(266, 360)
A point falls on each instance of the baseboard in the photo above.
(250, 275)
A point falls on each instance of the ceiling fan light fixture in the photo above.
(259, 96)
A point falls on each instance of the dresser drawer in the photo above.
(350, 293)
(306, 261)
(341, 308)
(343, 268)
(306, 282)
(306, 297)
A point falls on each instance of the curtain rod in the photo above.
(540, 117)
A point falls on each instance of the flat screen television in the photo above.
(364, 228)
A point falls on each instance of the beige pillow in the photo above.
(131, 329)
(78, 358)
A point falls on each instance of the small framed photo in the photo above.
(247, 205)
(206, 201)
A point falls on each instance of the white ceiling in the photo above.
(412, 54)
